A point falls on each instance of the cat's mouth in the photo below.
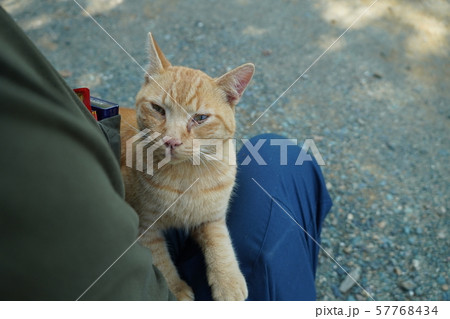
(174, 155)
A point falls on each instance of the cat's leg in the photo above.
(155, 241)
(224, 275)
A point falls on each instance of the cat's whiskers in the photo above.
(212, 162)
(204, 163)
(210, 156)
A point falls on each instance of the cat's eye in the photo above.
(158, 109)
(200, 118)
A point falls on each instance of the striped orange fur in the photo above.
(183, 105)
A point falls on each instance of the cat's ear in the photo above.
(234, 82)
(158, 61)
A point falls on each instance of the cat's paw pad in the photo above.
(182, 291)
(230, 287)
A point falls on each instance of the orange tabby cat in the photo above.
(184, 104)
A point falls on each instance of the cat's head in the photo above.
(184, 104)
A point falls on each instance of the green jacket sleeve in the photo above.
(63, 217)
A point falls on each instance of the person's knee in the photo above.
(277, 164)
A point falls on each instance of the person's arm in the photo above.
(63, 217)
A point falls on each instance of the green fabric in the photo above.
(63, 218)
(111, 128)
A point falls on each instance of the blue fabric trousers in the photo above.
(274, 231)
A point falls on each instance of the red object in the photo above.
(84, 95)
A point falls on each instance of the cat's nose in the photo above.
(171, 142)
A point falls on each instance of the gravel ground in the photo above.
(377, 104)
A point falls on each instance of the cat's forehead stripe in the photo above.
(194, 92)
(163, 99)
(173, 89)
(185, 89)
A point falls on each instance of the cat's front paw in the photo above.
(229, 287)
(182, 291)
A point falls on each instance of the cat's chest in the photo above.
(184, 203)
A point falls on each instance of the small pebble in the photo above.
(390, 146)
(348, 249)
(407, 285)
(359, 297)
(398, 271)
(416, 264)
(349, 281)
(377, 75)
(444, 287)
